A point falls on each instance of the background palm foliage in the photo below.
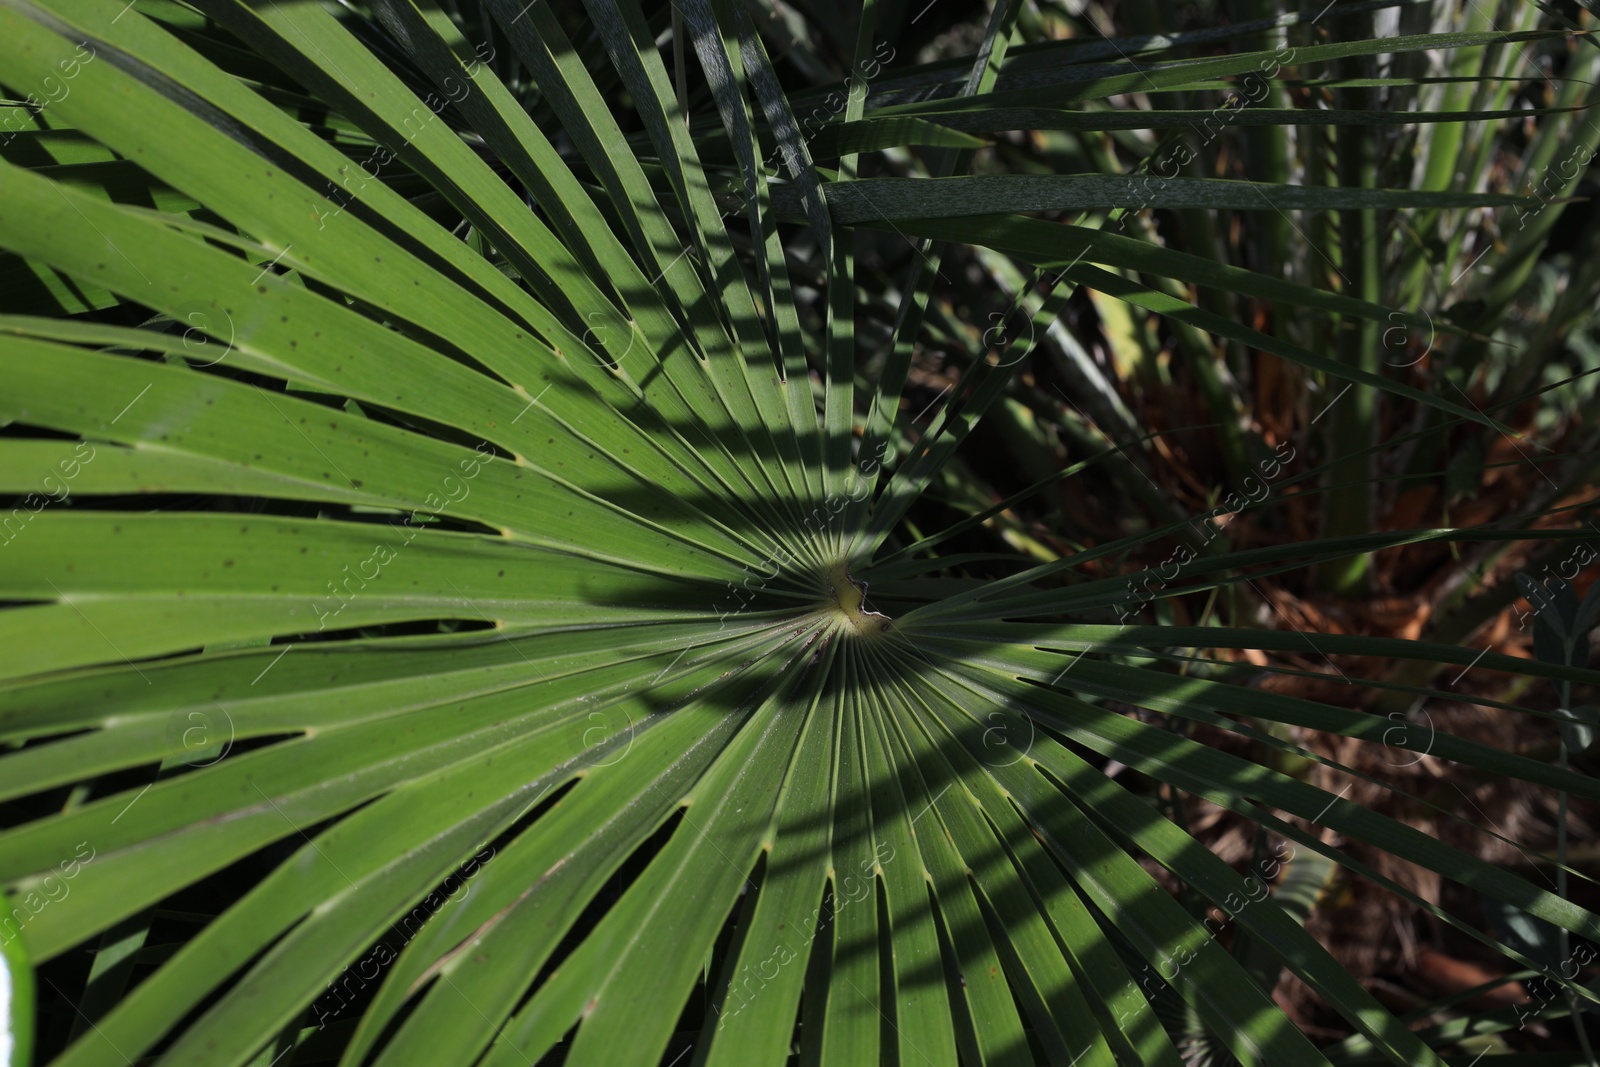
(493, 575)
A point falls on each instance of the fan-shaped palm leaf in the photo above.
(458, 587)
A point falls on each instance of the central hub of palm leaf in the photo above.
(849, 597)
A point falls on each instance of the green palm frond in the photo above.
(470, 596)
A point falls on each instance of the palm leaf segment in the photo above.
(542, 700)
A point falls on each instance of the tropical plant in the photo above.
(484, 586)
